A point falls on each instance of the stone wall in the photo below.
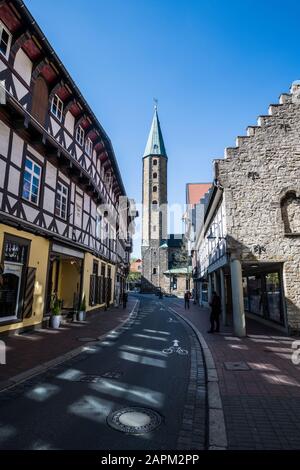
(261, 181)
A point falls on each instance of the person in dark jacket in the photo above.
(125, 297)
(215, 313)
(187, 297)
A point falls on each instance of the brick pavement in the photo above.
(29, 350)
(261, 405)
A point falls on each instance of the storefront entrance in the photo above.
(263, 292)
(13, 267)
(65, 279)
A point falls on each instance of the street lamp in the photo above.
(211, 236)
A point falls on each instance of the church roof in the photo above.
(155, 144)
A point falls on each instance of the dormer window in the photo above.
(89, 147)
(80, 135)
(5, 40)
(57, 107)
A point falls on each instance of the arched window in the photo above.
(290, 212)
(40, 100)
(154, 189)
(154, 176)
(154, 162)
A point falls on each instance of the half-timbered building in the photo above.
(63, 230)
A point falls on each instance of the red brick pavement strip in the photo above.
(261, 405)
(31, 353)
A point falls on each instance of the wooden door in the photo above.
(40, 100)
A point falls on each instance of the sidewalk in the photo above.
(31, 350)
(262, 403)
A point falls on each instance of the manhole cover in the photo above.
(87, 340)
(134, 420)
(112, 375)
(236, 366)
(90, 378)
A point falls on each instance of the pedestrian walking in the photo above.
(125, 297)
(215, 313)
(187, 297)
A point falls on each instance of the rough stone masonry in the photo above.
(261, 181)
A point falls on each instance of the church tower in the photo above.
(155, 212)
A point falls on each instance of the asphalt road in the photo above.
(68, 406)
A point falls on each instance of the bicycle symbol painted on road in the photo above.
(175, 349)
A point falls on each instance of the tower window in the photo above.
(154, 271)
(154, 189)
(154, 175)
(154, 162)
(154, 228)
(154, 206)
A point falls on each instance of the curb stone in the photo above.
(23, 376)
(217, 437)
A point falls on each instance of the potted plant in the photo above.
(82, 309)
(56, 312)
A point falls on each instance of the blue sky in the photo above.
(214, 66)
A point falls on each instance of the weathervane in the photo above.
(155, 103)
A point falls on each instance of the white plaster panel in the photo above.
(21, 90)
(55, 126)
(4, 138)
(64, 178)
(17, 150)
(48, 220)
(2, 66)
(30, 212)
(49, 199)
(61, 227)
(68, 140)
(70, 122)
(35, 153)
(13, 180)
(2, 173)
(23, 66)
(51, 173)
(86, 202)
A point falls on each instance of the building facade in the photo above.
(248, 248)
(196, 195)
(64, 214)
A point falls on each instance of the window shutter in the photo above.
(29, 292)
(103, 290)
(40, 100)
(92, 290)
(99, 290)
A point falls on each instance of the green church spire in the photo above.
(155, 144)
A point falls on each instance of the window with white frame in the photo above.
(61, 200)
(5, 40)
(57, 107)
(79, 135)
(89, 147)
(98, 226)
(31, 181)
